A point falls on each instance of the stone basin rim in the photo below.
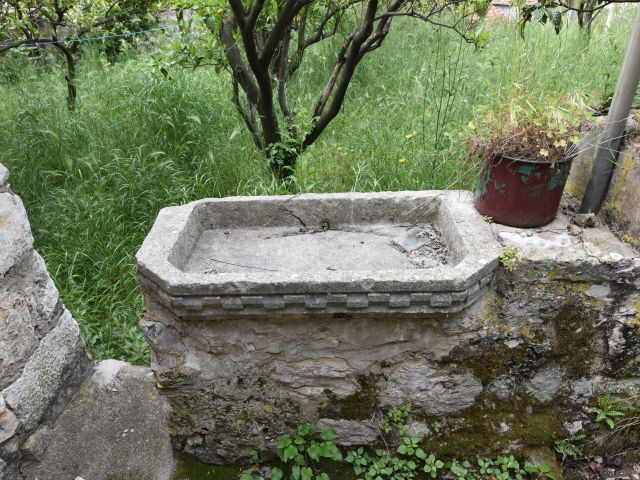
(481, 258)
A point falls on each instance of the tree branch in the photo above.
(287, 14)
(346, 73)
(248, 119)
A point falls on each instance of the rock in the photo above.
(304, 376)
(503, 428)
(544, 455)
(3, 405)
(573, 427)
(585, 220)
(29, 309)
(418, 429)
(87, 440)
(36, 445)
(545, 383)
(574, 230)
(10, 447)
(15, 232)
(616, 341)
(106, 371)
(4, 175)
(613, 461)
(598, 291)
(502, 387)
(56, 366)
(434, 390)
(351, 432)
(195, 440)
(8, 425)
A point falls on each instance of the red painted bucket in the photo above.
(521, 193)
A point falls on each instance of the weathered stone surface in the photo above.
(106, 371)
(29, 308)
(8, 425)
(50, 374)
(113, 429)
(351, 432)
(15, 232)
(418, 430)
(435, 391)
(4, 175)
(35, 446)
(546, 382)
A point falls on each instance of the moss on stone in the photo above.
(190, 469)
(486, 360)
(360, 405)
(575, 333)
(477, 430)
(490, 317)
(490, 358)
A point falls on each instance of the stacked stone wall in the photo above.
(43, 358)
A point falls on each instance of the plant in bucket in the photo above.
(526, 152)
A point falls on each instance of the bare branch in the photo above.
(346, 73)
(248, 118)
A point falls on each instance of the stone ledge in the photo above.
(222, 307)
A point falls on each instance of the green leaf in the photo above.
(276, 473)
(295, 472)
(314, 451)
(328, 434)
(306, 473)
(289, 453)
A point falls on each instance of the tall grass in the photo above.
(93, 181)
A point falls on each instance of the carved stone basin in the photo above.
(400, 253)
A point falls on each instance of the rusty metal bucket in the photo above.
(521, 193)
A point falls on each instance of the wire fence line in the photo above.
(95, 39)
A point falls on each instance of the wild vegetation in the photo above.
(93, 180)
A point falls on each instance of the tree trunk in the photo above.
(70, 77)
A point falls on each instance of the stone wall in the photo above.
(621, 206)
(514, 370)
(42, 356)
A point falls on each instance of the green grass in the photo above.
(93, 181)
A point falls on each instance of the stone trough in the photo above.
(406, 253)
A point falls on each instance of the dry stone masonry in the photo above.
(257, 324)
(42, 356)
